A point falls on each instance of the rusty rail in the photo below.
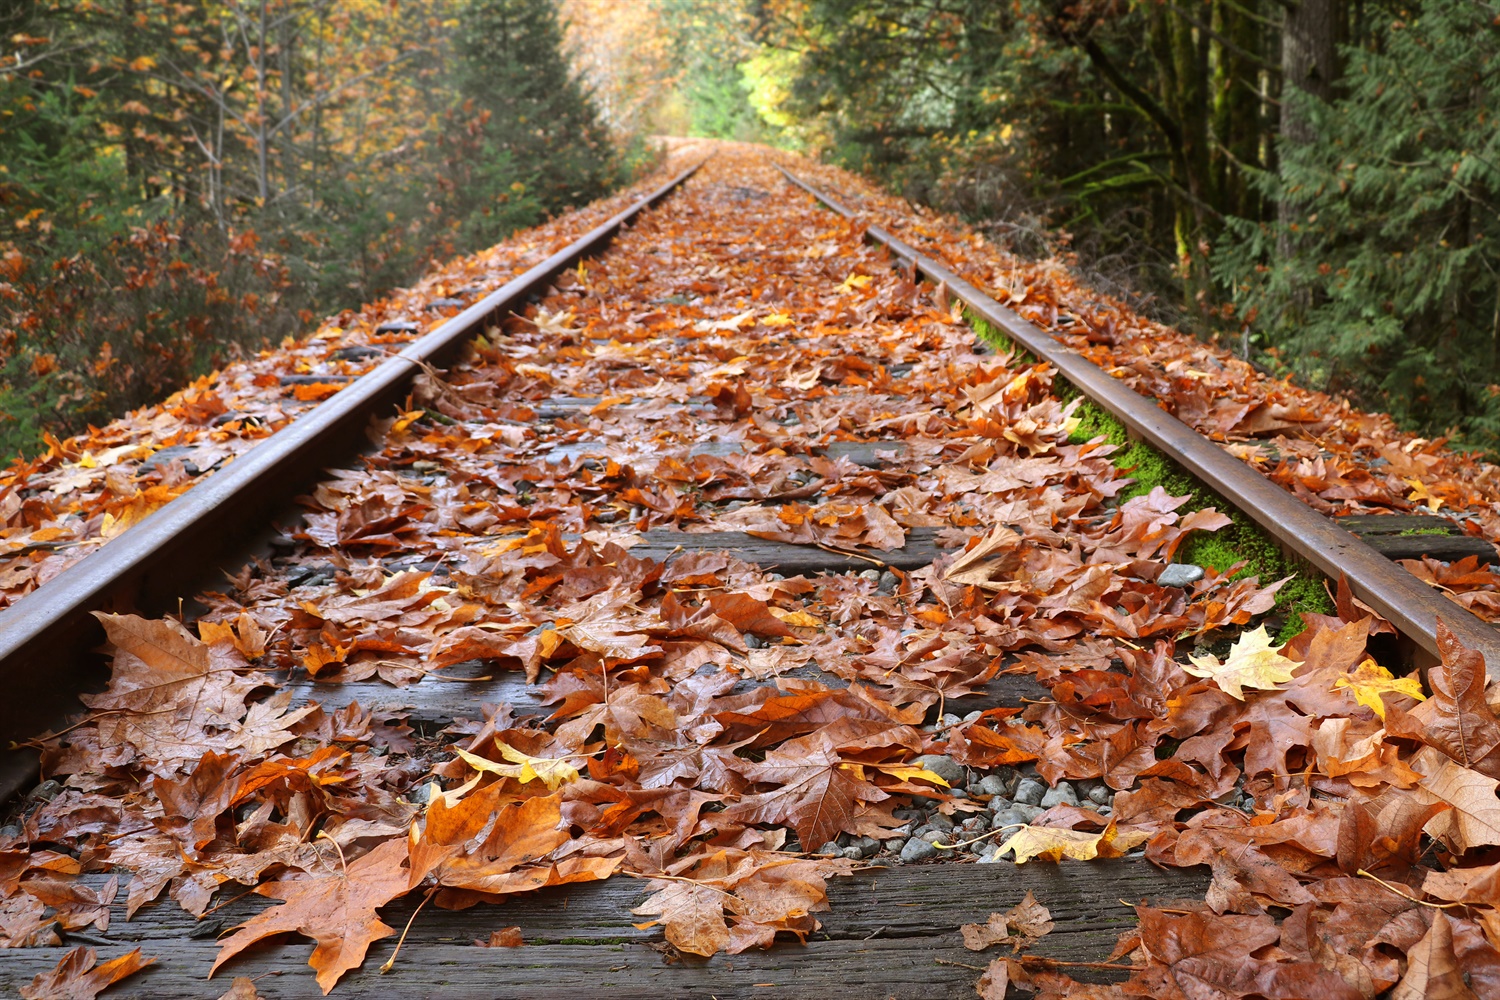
(1399, 597)
(45, 636)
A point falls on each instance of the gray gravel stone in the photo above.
(944, 767)
(888, 582)
(940, 822)
(854, 854)
(1005, 818)
(973, 826)
(1180, 575)
(753, 641)
(990, 784)
(873, 575)
(1062, 795)
(868, 846)
(1027, 813)
(832, 847)
(1030, 791)
(990, 855)
(1100, 795)
(1105, 810)
(45, 792)
(918, 850)
(935, 836)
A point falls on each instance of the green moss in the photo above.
(1240, 541)
(999, 341)
(1423, 531)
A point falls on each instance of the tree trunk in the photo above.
(1309, 63)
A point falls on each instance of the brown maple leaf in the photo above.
(78, 978)
(191, 806)
(817, 793)
(1020, 927)
(334, 908)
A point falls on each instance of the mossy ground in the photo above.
(1241, 541)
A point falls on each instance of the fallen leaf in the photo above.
(1054, 844)
(335, 908)
(1252, 663)
(1020, 927)
(78, 978)
(1370, 680)
(553, 771)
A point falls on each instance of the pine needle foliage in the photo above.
(1385, 287)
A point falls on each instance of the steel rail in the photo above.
(45, 636)
(1398, 596)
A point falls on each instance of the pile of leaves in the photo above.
(1338, 459)
(712, 727)
(86, 489)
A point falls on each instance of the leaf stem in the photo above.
(1394, 888)
(391, 962)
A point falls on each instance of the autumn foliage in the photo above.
(705, 725)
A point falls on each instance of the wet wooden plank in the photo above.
(788, 558)
(434, 703)
(883, 938)
(1412, 536)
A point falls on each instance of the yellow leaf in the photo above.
(1252, 663)
(406, 420)
(1370, 680)
(855, 281)
(799, 619)
(1053, 844)
(554, 771)
(1419, 493)
(906, 772)
(777, 319)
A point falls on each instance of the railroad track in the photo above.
(719, 477)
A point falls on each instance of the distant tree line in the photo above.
(1315, 182)
(182, 180)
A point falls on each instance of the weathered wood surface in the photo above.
(886, 935)
(435, 702)
(1412, 536)
(788, 558)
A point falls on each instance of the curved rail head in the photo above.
(45, 636)
(1398, 596)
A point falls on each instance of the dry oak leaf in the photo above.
(1252, 663)
(1200, 955)
(1433, 971)
(1370, 680)
(1053, 844)
(1474, 819)
(336, 909)
(78, 978)
(1019, 927)
(1456, 719)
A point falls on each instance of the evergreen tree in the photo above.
(1387, 287)
(530, 113)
